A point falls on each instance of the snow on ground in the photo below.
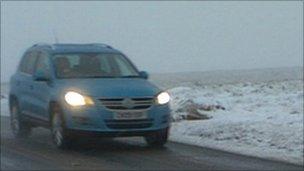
(258, 119)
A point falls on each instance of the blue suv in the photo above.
(86, 89)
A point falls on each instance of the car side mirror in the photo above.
(39, 75)
(144, 75)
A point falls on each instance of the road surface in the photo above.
(38, 153)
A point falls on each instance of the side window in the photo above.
(28, 63)
(22, 66)
(43, 63)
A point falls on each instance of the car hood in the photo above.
(110, 87)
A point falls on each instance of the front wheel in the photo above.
(60, 139)
(19, 128)
(158, 138)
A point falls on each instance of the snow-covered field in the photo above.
(259, 119)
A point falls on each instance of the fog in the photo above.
(162, 36)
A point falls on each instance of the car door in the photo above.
(41, 89)
(25, 81)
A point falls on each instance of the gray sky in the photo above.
(162, 36)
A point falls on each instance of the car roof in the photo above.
(75, 48)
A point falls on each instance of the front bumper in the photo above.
(99, 120)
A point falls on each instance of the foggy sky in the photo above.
(162, 36)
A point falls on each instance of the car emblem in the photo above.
(128, 103)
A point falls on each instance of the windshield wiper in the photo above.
(96, 76)
(130, 76)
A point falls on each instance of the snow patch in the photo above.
(260, 119)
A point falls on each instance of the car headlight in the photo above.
(76, 99)
(162, 98)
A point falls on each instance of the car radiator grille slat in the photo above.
(119, 104)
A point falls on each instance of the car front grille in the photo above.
(127, 103)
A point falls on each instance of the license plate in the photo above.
(130, 115)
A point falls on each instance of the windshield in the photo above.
(93, 65)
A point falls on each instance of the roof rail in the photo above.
(101, 44)
(52, 46)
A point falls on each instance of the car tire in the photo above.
(20, 128)
(158, 138)
(60, 139)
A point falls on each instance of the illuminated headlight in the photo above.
(162, 98)
(76, 99)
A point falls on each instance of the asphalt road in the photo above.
(38, 153)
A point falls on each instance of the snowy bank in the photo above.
(258, 119)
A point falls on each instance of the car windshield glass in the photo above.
(93, 65)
